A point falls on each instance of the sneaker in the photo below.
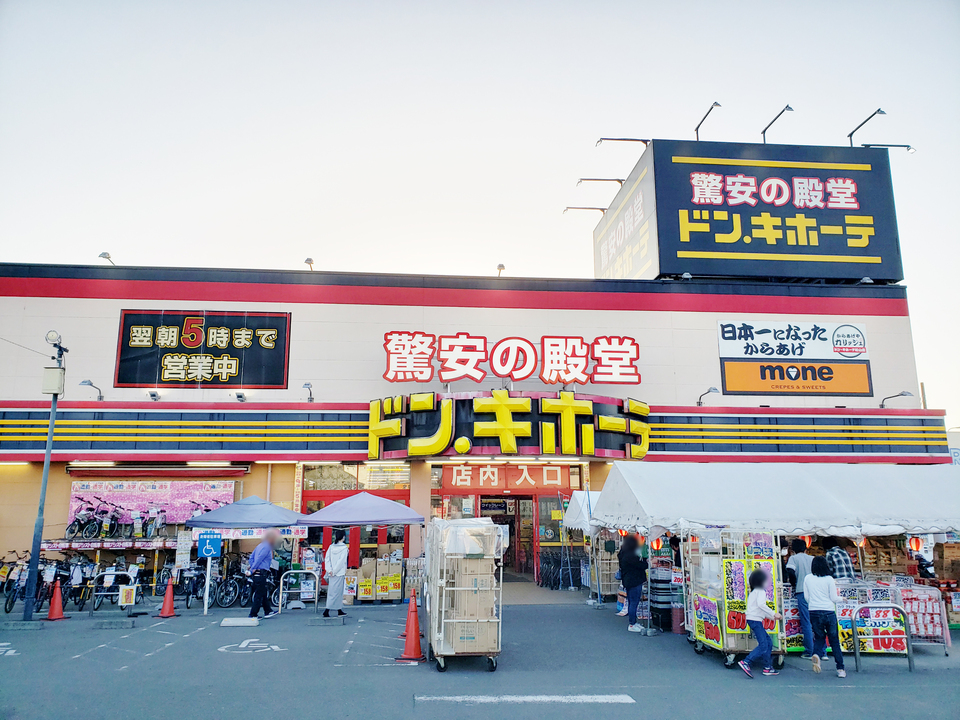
(770, 671)
(745, 668)
(636, 628)
(816, 663)
(841, 673)
(622, 613)
(806, 656)
(270, 614)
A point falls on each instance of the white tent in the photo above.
(789, 498)
(577, 515)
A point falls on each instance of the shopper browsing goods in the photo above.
(822, 596)
(798, 567)
(757, 612)
(633, 573)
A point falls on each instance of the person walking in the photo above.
(757, 611)
(822, 595)
(633, 573)
(838, 560)
(260, 568)
(335, 572)
(798, 567)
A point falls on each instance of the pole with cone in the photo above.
(167, 610)
(56, 604)
(412, 652)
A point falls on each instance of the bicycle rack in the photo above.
(93, 584)
(882, 606)
(316, 591)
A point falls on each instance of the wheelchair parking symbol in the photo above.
(250, 646)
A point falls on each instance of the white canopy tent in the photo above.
(790, 499)
(577, 515)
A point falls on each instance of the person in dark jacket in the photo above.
(633, 573)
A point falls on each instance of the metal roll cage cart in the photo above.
(110, 592)
(299, 590)
(704, 551)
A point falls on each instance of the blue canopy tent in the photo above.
(251, 512)
(363, 509)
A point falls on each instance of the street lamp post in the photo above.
(763, 133)
(696, 130)
(52, 384)
(878, 111)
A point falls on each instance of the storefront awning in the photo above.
(786, 498)
(363, 509)
(251, 512)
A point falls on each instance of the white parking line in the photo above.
(532, 699)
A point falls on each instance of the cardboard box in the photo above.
(951, 551)
(366, 579)
(473, 637)
(473, 566)
(395, 580)
(476, 596)
(388, 549)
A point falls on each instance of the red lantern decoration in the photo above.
(694, 538)
(622, 533)
(808, 539)
(862, 542)
(915, 543)
(641, 539)
(656, 544)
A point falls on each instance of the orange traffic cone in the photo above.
(56, 604)
(412, 652)
(167, 610)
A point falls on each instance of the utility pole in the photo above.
(52, 385)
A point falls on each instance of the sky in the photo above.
(446, 137)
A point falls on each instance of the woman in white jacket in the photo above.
(335, 571)
(822, 596)
(757, 612)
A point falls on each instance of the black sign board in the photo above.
(176, 348)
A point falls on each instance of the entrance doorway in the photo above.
(516, 513)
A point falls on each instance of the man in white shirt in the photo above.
(799, 563)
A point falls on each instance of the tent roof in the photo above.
(787, 498)
(251, 512)
(577, 515)
(363, 509)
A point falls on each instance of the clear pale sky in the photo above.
(446, 137)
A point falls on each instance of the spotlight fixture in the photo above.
(309, 261)
(708, 392)
(696, 130)
(241, 397)
(106, 256)
(876, 112)
(643, 140)
(500, 268)
(603, 210)
(616, 180)
(902, 393)
(786, 108)
(154, 395)
(87, 383)
(909, 148)
(309, 388)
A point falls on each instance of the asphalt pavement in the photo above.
(561, 661)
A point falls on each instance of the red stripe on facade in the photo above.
(817, 458)
(161, 406)
(71, 455)
(447, 297)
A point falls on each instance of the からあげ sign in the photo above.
(733, 209)
(202, 349)
(560, 359)
(501, 422)
(786, 357)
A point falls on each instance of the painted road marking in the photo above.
(250, 646)
(6, 650)
(532, 699)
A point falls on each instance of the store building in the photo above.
(478, 396)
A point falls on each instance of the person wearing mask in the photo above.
(675, 546)
(838, 560)
(757, 611)
(798, 567)
(822, 596)
(335, 572)
(633, 573)
(260, 568)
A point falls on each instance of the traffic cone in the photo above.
(56, 604)
(412, 652)
(167, 610)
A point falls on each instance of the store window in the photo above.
(330, 477)
(551, 513)
(377, 476)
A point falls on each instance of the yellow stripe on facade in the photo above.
(792, 164)
(670, 433)
(173, 439)
(725, 441)
(710, 255)
(360, 432)
(722, 426)
(217, 423)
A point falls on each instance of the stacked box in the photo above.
(383, 580)
(479, 598)
(414, 578)
(366, 579)
(395, 580)
(473, 637)
(390, 551)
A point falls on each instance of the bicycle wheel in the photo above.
(199, 584)
(275, 598)
(82, 597)
(97, 598)
(91, 530)
(246, 595)
(163, 579)
(228, 593)
(11, 601)
(188, 597)
(72, 530)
